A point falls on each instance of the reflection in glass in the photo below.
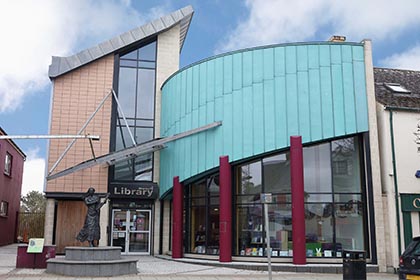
(319, 229)
(349, 226)
(250, 178)
(144, 134)
(145, 94)
(346, 165)
(277, 174)
(130, 55)
(317, 168)
(148, 52)
(143, 167)
(127, 91)
(123, 170)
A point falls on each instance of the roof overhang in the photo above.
(62, 65)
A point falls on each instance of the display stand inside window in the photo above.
(200, 240)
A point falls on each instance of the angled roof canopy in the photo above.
(132, 152)
(62, 65)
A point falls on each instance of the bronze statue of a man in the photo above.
(91, 230)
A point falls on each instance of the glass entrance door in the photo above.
(131, 230)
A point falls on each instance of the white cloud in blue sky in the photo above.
(275, 21)
(409, 59)
(34, 170)
(33, 31)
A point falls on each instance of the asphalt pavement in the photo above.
(156, 268)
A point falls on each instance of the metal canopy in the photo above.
(137, 150)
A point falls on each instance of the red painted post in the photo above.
(177, 219)
(225, 223)
(298, 200)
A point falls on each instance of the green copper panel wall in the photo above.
(262, 96)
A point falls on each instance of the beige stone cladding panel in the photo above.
(375, 158)
(76, 95)
(167, 63)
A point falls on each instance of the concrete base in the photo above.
(92, 261)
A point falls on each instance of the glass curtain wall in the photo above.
(203, 216)
(335, 215)
(136, 94)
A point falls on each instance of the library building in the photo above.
(186, 154)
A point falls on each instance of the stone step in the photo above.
(92, 268)
(93, 253)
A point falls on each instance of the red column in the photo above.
(225, 223)
(177, 219)
(298, 200)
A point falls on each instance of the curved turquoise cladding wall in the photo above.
(262, 96)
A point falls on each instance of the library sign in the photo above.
(139, 190)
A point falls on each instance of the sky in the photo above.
(34, 31)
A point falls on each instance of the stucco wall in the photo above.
(262, 96)
(407, 156)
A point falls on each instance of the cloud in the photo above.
(33, 172)
(279, 21)
(33, 31)
(409, 59)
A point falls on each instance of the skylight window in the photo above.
(397, 88)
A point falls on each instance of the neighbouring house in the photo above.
(11, 168)
(398, 113)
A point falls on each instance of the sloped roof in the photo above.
(62, 65)
(2, 132)
(409, 79)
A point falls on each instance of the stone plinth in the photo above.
(92, 261)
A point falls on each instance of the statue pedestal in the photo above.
(92, 261)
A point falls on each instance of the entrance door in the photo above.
(131, 230)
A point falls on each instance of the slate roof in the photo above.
(62, 65)
(409, 79)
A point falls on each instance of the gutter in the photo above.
(394, 170)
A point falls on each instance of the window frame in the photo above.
(4, 208)
(8, 162)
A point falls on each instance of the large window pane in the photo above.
(250, 179)
(319, 230)
(213, 243)
(346, 165)
(349, 226)
(130, 55)
(127, 91)
(280, 223)
(198, 230)
(123, 170)
(277, 174)
(250, 230)
(123, 138)
(143, 168)
(148, 52)
(144, 134)
(146, 94)
(317, 169)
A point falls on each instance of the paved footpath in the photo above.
(152, 268)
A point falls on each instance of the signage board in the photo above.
(139, 190)
(36, 245)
